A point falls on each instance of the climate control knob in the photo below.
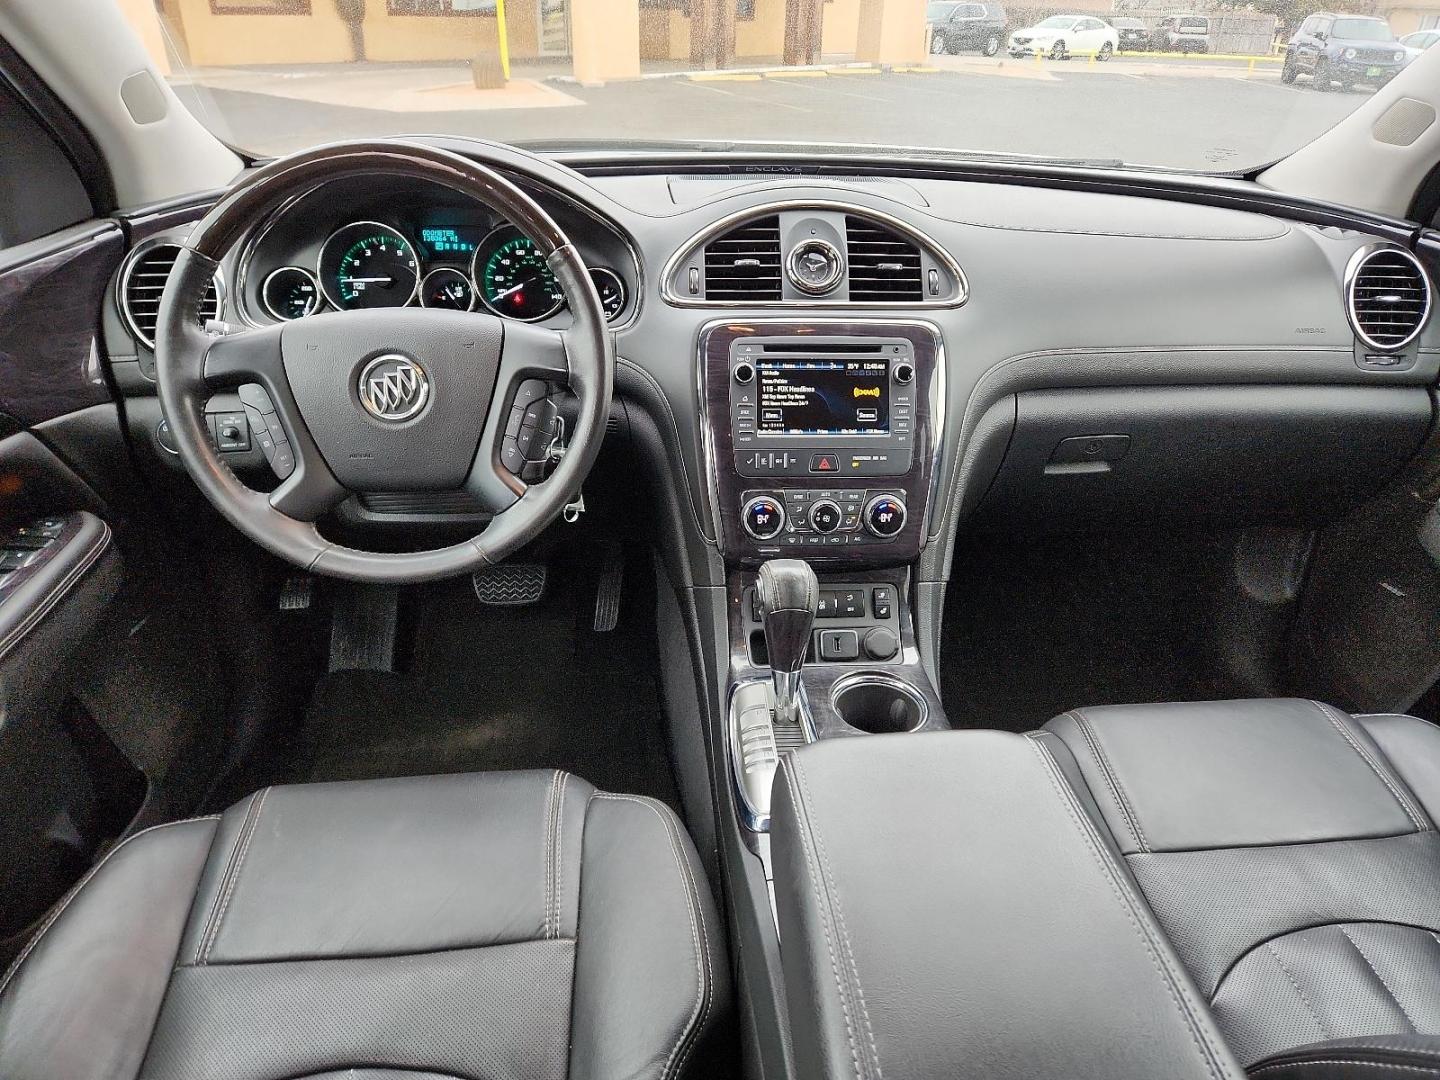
(763, 517)
(825, 516)
(884, 516)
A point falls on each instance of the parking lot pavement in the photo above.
(1143, 112)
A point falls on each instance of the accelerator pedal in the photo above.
(510, 584)
(607, 594)
(297, 593)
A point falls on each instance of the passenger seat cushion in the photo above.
(1289, 852)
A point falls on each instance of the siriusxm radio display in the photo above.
(823, 397)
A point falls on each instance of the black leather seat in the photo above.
(505, 925)
(1290, 853)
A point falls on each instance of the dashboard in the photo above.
(856, 360)
(366, 243)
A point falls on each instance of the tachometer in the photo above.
(513, 277)
(367, 265)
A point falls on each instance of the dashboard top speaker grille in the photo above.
(1388, 297)
(744, 263)
(142, 282)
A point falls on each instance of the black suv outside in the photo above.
(971, 25)
(1344, 49)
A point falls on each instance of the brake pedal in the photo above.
(607, 594)
(297, 593)
(510, 584)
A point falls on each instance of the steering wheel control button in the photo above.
(884, 516)
(815, 266)
(393, 388)
(881, 643)
(283, 462)
(825, 516)
(763, 518)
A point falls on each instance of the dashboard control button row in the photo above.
(876, 462)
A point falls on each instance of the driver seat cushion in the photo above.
(1288, 850)
(426, 927)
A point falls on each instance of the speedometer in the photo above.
(513, 277)
(368, 265)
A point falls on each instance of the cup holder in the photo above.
(878, 704)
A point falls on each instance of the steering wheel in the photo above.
(382, 399)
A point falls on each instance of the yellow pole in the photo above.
(1251, 71)
(504, 38)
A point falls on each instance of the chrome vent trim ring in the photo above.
(142, 281)
(958, 288)
(1387, 296)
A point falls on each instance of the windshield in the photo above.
(274, 76)
(1194, 24)
(1362, 30)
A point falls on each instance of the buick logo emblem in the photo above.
(394, 388)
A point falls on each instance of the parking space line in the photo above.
(743, 97)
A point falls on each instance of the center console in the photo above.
(821, 437)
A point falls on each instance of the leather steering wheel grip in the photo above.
(182, 345)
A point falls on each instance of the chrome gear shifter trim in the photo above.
(756, 741)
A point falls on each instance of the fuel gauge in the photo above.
(446, 287)
(290, 293)
(611, 290)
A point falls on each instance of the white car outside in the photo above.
(1066, 35)
(1418, 42)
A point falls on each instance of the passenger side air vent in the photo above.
(1389, 298)
(884, 266)
(744, 264)
(141, 285)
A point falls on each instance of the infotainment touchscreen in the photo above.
(823, 397)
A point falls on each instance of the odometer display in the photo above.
(368, 265)
(513, 277)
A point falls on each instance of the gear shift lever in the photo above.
(789, 596)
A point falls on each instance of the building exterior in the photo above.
(603, 38)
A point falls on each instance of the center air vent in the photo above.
(884, 266)
(744, 264)
(141, 285)
(1389, 298)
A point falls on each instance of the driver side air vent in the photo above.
(142, 283)
(1388, 296)
(884, 266)
(744, 264)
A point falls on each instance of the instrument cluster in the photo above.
(416, 251)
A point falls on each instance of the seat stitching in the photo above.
(225, 876)
(844, 929)
(1131, 906)
(1132, 822)
(1388, 989)
(1429, 1069)
(1270, 947)
(1343, 728)
(59, 910)
(703, 974)
(559, 851)
(252, 822)
(819, 887)
(548, 857)
(705, 945)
